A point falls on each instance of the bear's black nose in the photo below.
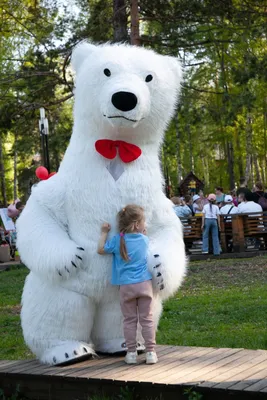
(124, 101)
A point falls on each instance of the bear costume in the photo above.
(125, 97)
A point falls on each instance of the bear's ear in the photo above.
(175, 66)
(80, 53)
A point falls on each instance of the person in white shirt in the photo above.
(228, 207)
(249, 206)
(211, 222)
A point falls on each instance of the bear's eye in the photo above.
(107, 72)
(149, 78)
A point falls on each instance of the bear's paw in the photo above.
(73, 265)
(157, 275)
(68, 352)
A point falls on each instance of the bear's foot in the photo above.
(68, 352)
(117, 346)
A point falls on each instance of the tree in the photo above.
(120, 21)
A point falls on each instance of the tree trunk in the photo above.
(2, 175)
(191, 159)
(119, 21)
(264, 130)
(248, 147)
(178, 151)
(205, 163)
(240, 164)
(256, 167)
(263, 170)
(135, 36)
(230, 158)
(15, 167)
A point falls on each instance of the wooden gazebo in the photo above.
(191, 184)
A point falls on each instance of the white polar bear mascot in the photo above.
(124, 98)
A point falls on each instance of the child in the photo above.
(130, 272)
(211, 222)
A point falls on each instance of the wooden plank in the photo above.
(23, 366)
(264, 390)
(177, 374)
(144, 373)
(254, 379)
(167, 362)
(232, 376)
(111, 362)
(238, 233)
(117, 366)
(56, 370)
(218, 367)
(216, 361)
(218, 376)
(5, 364)
(87, 367)
(19, 364)
(42, 369)
(133, 369)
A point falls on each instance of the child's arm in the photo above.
(105, 228)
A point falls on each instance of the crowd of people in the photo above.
(9, 237)
(240, 201)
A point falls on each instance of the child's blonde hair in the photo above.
(127, 217)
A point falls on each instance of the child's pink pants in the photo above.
(137, 301)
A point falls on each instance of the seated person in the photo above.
(247, 204)
(180, 208)
(189, 202)
(258, 192)
(228, 207)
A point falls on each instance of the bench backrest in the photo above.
(192, 227)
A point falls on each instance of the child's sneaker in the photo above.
(130, 357)
(151, 357)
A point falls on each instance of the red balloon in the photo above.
(41, 173)
(51, 174)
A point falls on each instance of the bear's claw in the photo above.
(68, 352)
(66, 271)
(157, 277)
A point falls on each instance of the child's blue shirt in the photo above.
(135, 270)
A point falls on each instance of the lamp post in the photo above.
(43, 127)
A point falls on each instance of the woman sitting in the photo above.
(180, 208)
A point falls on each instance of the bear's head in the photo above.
(125, 91)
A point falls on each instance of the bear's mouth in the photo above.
(120, 116)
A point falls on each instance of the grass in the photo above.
(11, 343)
(222, 303)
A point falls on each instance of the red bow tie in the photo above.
(108, 148)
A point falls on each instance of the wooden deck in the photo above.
(216, 373)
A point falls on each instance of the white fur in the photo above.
(64, 306)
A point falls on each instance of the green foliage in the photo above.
(224, 51)
(192, 394)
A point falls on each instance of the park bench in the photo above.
(192, 230)
(255, 226)
(242, 227)
(235, 232)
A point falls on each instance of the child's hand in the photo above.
(105, 228)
